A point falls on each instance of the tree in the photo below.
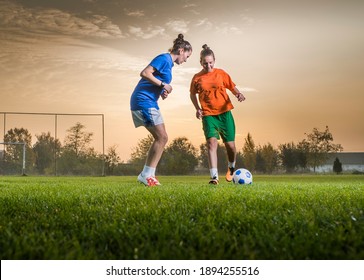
(112, 160)
(179, 158)
(78, 140)
(259, 162)
(266, 158)
(269, 156)
(319, 146)
(46, 150)
(249, 155)
(77, 157)
(337, 168)
(16, 135)
(288, 154)
(140, 152)
(303, 150)
(14, 153)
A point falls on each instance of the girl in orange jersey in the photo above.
(214, 107)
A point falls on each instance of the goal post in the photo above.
(24, 153)
(56, 117)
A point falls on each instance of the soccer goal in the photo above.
(49, 139)
(22, 157)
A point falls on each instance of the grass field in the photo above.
(279, 217)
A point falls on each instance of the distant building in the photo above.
(350, 162)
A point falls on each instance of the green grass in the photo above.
(279, 217)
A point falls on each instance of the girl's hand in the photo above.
(164, 94)
(168, 88)
(199, 114)
(240, 97)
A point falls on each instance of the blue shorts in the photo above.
(147, 117)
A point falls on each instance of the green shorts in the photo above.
(220, 125)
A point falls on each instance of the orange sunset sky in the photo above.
(300, 65)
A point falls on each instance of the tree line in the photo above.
(76, 156)
(181, 157)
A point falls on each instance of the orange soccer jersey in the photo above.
(211, 89)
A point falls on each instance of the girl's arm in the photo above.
(147, 73)
(197, 106)
(238, 94)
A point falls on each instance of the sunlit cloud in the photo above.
(248, 89)
(63, 71)
(189, 5)
(179, 26)
(249, 21)
(192, 7)
(134, 13)
(13, 15)
(89, 60)
(227, 29)
(205, 23)
(146, 33)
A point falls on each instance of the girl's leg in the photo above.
(147, 176)
(156, 150)
(212, 144)
(231, 153)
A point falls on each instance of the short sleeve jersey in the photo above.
(211, 89)
(146, 94)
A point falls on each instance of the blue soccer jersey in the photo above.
(146, 94)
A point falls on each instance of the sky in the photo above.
(300, 65)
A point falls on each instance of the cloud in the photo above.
(13, 15)
(192, 7)
(205, 23)
(179, 26)
(59, 73)
(227, 29)
(248, 89)
(189, 5)
(147, 33)
(249, 21)
(135, 13)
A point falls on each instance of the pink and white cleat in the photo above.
(148, 181)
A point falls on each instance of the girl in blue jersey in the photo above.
(154, 83)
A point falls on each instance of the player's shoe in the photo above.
(148, 181)
(214, 181)
(156, 181)
(229, 174)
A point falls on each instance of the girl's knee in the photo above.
(162, 138)
(212, 144)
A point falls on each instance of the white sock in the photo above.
(148, 171)
(213, 173)
(231, 164)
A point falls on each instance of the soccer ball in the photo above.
(242, 177)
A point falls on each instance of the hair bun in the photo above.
(206, 51)
(180, 43)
